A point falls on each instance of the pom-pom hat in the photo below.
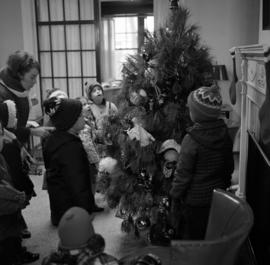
(8, 114)
(75, 229)
(63, 112)
(205, 104)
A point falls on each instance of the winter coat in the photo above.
(59, 258)
(68, 173)
(11, 202)
(92, 254)
(11, 88)
(205, 163)
(19, 174)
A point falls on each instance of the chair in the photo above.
(229, 223)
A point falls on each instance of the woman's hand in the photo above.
(41, 131)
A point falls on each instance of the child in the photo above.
(12, 201)
(100, 109)
(205, 162)
(79, 244)
(66, 162)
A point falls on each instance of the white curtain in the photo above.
(107, 50)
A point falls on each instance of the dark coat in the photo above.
(12, 151)
(205, 163)
(68, 174)
(22, 106)
(19, 175)
(11, 202)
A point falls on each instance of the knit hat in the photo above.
(8, 114)
(205, 104)
(75, 229)
(90, 87)
(63, 112)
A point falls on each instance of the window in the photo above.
(123, 26)
(67, 41)
(126, 39)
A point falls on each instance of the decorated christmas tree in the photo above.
(152, 108)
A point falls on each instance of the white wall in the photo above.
(222, 25)
(10, 28)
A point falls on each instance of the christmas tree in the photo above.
(152, 108)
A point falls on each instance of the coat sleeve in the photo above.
(11, 200)
(75, 169)
(185, 168)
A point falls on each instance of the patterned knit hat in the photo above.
(63, 112)
(8, 114)
(205, 104)
(75, 228)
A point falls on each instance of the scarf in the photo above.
(12, 83)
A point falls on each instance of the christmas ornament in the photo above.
(140, 134)
(127, 225)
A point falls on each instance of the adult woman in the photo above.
(16, 80)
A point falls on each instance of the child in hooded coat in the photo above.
(65, 159)
(205, 161)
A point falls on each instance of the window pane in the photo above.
(129, 41)
(87, 9)
(73, 37)
(88, 36)
(42, 15)
(45, 64)
(59, 64)
(125, 24)
(61, 83)
(44, 38)
(74, 64)
(71, 10)
(89, 63)
(131, 24)
(56, 10)
(46, 85)
(58, 40)
(75, 87)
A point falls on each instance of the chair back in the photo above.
(230, 221)
(229, 216)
